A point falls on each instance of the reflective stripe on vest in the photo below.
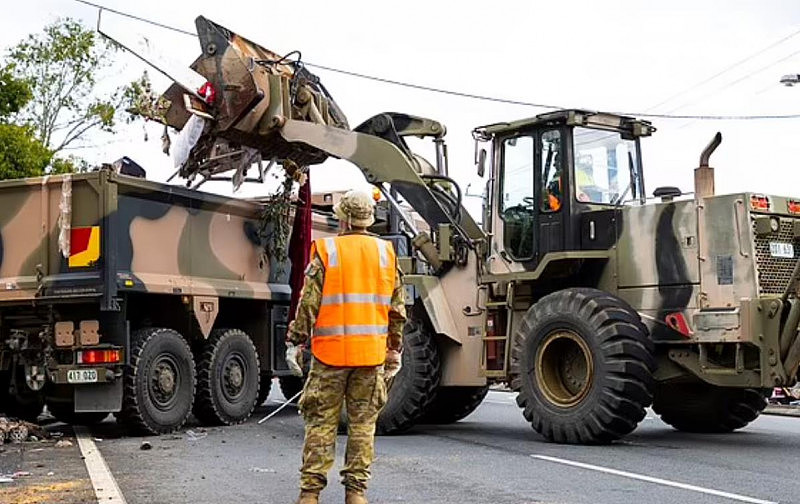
(353, 319)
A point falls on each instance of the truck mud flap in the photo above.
(98, 397)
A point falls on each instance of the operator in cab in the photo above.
(352, 309)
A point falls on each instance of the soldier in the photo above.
(352, 308)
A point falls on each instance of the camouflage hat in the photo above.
(356, 208)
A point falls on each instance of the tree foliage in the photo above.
(62, 66)
(21, 154)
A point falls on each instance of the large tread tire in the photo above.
(163, 351)
(290, 386)
(452, 404)
(610, 400)
(228, 378)
(414, 387)
(704, 408)
(65, 412)
(264, 387)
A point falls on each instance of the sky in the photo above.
(678, 57)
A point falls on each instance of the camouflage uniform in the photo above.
(362, 389)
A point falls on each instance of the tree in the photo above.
(21, 154)
(61, 66)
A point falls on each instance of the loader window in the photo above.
(605, 167)
(517, 203)
(552, 184)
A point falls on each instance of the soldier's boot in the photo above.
(355, 497)
(308, 498)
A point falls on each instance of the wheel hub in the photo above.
(233, 376)
(564, 368)
(164, 381)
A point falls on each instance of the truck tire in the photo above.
(65, 412)
(583, 365)
(414, 387)
(159, 384)
(264, 387)
(705, 408)
(290, 386)
(25, 406)
(228, 376)
(451, 404)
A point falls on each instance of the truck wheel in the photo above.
(290, 386)
(451, 404)
(65, 412)
(160, 383)
(415, 385)
(228, 375)
(704, 408)
(264, 386)
(583, 365)
(26, 405)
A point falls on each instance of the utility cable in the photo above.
(472, 95)
(728, 69)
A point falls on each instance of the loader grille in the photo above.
(774, 273)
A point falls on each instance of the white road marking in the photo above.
(658, 481)
(105, 486)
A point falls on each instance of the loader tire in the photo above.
(290, 386)
(159, 384)
(264, 387)
(582, 363)
(415, 385)
(451, 404)
(228, 376)
(704, 408)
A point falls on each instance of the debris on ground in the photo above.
(64, 443)
(262, 470)
(19, 431)
(194, 436)
(145, 446)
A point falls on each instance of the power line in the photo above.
(133, 16)
(728, 69)
(473, 96)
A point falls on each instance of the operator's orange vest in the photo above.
(353, 320)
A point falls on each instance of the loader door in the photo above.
(530, 200)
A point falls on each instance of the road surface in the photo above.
(493, 456)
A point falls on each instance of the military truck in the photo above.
(137, 298)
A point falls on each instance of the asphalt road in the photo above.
(493, 456)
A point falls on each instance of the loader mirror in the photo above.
(481, 162)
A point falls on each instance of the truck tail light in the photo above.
(99, 356)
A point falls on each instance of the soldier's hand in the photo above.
(393, 363)
(294, 354)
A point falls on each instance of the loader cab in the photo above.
(549, 172)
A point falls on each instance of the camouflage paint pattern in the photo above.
(364, 394)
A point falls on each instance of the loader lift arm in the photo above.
(274, 105)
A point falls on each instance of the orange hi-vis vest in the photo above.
(353, 320)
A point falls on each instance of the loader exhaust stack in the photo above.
(704, 174)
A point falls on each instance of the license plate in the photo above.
(778, 249)
(82, 376)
